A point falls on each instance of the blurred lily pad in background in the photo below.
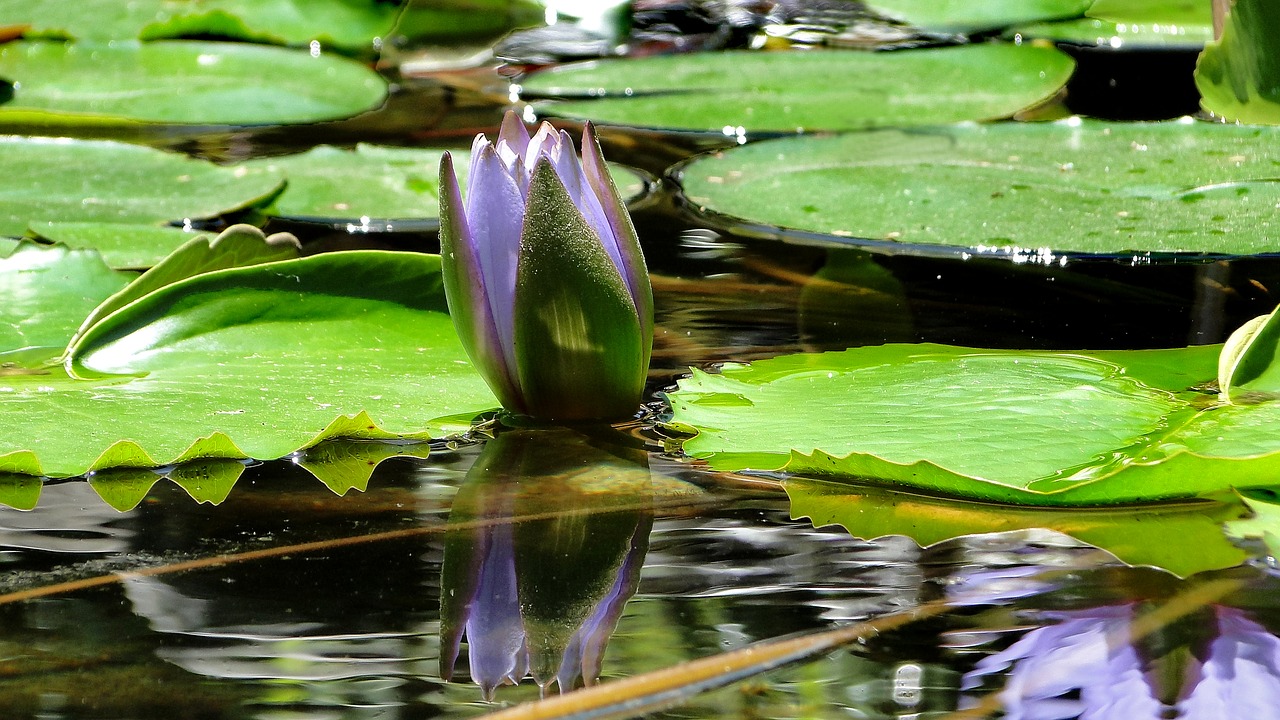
(58, 179)
(359, 26)
(964, 16)
(813, 90)
(371, 182)
(1029, 190)
(181, 82)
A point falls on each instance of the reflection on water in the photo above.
(288, 601)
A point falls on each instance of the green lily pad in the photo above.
(94, 181)
(256, 361)
(123, 246)
(1239, 75)
(1184, 538)
(1147, 24)
(343, 23)
(1032, 428)
(352, 25)
(736, 92)
(1030, 191)
(1264, 523)
(47, 292)
(237, 246)
(960, 16)
(1117, 35)
(180, 82)
(378, 188)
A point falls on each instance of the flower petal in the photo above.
(631, 257)
(466, 289)
(495, 213)
(578, 339)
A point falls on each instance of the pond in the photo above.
(396, 578)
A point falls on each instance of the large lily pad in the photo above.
(814, 90)
(1022, 427)
(966, 17)
(1184, 538)
(249, 362)
(377, 187)
(73, 180)
(181, 82)
(1239, 75)
(1028, 190)
(47, 292)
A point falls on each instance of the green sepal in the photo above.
(579, 345)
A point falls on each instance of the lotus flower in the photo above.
(544, 276)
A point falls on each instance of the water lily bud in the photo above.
(544, 276)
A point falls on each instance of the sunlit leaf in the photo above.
(815, 90)
(1025, 190)
(1239, 75)
(180, 82)
(1183, 538)
(249, 362)
(1033, 428)
(47, 292)
(345, 465)
(78, 180)
(237, 246)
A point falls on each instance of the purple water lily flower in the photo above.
(544, 275)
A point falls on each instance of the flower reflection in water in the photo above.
(1214, 663)
(545, 548)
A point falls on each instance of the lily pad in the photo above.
(961, 16)
(255, 362)
(47, 292)
(180, 82)
(737, 92)
(1146, 24)
(1184, 538)
(94, 181)
(123, 246)
(1030, 191)
(1032, 428)
(1239, 75)
(352, 25)
(374, 187)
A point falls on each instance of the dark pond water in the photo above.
(289, 601)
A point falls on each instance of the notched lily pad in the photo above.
(1030, 428)
(180, 82)
(124, 246)
(255, 361)
(1033, 192)
(1184, 538)
(796, 91)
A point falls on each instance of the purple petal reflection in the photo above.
(1241, 676)
(1082, 667)
(495, 632)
